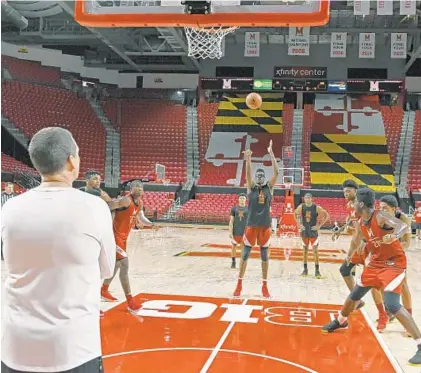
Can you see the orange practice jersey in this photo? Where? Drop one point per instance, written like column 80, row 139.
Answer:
column 417, row 217
column 125, row 220
column 382, row 255
column 351, row 212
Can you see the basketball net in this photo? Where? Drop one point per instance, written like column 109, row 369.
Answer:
column 207, row 42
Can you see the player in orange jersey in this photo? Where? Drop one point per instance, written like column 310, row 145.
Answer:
column 347, row 269
column 237, row 225
column 130, row 208
column 389, row 204
column 417, row 218
column 258, row 229
column 386, row 268
column 306, row 216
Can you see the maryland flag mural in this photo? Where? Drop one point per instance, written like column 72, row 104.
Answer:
column 348, row 142
column 238, row 128
column 234, row 115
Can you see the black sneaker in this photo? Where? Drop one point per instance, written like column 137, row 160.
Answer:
column 233, row 265
column 334, row 325
column 416, row 359
column 318, row 274
column 305, row 272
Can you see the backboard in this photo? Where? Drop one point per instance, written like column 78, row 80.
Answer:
column 196, row 13
column 290, row 177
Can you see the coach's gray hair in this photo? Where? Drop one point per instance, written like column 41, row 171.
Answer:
column 50, row 149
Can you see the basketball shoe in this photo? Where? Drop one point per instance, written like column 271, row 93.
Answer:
column 106, row 295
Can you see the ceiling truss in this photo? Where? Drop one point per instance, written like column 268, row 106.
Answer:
column 52, row 23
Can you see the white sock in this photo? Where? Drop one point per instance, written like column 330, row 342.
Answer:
column 342, row 319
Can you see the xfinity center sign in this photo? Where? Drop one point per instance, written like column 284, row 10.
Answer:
column 300, row 72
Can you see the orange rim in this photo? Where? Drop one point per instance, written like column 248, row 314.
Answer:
column 222, row 19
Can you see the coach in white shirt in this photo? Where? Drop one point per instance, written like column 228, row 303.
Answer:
column 58, row 245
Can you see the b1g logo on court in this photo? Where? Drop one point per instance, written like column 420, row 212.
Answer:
column 237, row 313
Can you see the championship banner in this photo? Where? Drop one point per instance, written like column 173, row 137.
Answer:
column 398, row 45
column 407, row 7
column 361, row 7
column 367, row 48
column 299, row 41
column 252, row 44
column 338, row 45
column 384, row 7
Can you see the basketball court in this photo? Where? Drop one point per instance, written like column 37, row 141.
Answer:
column 189, row 321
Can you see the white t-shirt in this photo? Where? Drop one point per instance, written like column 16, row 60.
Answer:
column 58, row 243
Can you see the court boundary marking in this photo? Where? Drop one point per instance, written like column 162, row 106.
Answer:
column 211, row 349
column 382, row 343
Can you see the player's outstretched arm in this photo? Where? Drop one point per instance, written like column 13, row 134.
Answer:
column 105, row 196
column 406, row 238
column 119, row 203
column 249, row 178
column 387, row 220
column 144, row 220
column 275, row 166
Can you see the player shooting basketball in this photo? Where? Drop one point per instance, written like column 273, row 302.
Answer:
column 130, row 208
column 258, row 227
column 237, row 226
column 386, row 269
column 306, row 216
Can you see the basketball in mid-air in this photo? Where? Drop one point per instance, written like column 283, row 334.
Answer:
column 254, row 101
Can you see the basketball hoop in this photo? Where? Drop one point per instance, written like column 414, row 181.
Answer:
column 206, row 42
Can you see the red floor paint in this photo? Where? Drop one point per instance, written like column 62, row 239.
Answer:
column 195, row 334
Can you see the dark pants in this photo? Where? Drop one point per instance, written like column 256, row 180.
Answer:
column 92, row 366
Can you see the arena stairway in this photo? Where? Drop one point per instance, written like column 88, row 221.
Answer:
column 192, row 144
column 112, row 147
column 18, row 135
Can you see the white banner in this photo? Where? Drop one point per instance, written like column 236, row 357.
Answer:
column 299, row 41
column 252, row 44
column 384, row 7
column 367, row 45
column 338, row 45
column 407, row 7
column 361, row 7
column 398, row 45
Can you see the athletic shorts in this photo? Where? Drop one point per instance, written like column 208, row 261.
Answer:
column 313, row 241
column 259, row 235
column 121, row 248
column 389, row 279
column 417, row 225
column 238, row 239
